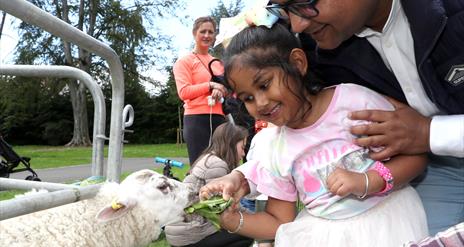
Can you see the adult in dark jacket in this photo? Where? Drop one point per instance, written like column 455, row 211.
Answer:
column 412, row 51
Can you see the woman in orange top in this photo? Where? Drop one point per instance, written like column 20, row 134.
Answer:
column 194, row 85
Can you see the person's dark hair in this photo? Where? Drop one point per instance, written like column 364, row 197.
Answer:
column 201, row 20
column 261, row 47
column 224, row 143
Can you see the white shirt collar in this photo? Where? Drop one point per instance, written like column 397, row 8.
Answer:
column 395, row 9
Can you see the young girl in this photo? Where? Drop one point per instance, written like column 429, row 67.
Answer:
column 348, row 198
column 220, row 158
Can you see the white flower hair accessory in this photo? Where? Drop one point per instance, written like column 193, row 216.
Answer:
column 257, row 15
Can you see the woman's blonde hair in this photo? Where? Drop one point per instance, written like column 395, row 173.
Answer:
column 201, row 20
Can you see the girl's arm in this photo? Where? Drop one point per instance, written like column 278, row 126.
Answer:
column 261, row 225
column 405, row 168
column 402, row 167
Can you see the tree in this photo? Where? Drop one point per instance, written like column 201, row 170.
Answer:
column 37, row 111
column 2, row 22
column 31, row 110
column 223, row 11
column 126, row 28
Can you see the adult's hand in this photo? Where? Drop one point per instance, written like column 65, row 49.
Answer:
column 217, row 94
column 232, row 185
column 218, row 86
column 402, row 131
column 218, row 91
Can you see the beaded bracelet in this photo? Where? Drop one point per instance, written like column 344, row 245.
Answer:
column 367, row 186
column 240, row 224
column 385, row 173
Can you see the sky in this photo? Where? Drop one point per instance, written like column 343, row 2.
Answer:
column 181, row 33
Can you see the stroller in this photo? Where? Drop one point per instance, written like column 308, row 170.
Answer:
column 9, row 160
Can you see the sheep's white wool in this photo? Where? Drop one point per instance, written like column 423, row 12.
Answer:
column 149, row 201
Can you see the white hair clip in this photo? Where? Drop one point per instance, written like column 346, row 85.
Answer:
column 258, row 15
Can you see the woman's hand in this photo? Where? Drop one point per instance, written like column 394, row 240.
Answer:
column 217, row 90
column 232, row 185
column 403, row 131
column 217, row 95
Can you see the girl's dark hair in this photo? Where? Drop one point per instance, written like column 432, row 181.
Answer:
column 224, row 143
column 201, row 20
column 261, row 47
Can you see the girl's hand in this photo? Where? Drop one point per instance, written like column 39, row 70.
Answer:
column 342, row 182
column 230, row 218
column 232, row 185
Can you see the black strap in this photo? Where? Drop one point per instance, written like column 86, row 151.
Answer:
column 204, row 65
column 215, row 78
column 210, row 63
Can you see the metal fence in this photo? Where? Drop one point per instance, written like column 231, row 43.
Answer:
column 63, row 194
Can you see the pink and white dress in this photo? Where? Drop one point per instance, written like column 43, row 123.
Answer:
column 293, row 164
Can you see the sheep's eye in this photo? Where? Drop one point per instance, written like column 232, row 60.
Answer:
column 164, row 187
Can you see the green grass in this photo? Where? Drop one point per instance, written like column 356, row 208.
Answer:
column 8, row 194
column 52, row 156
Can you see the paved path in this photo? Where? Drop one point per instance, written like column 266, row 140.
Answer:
column 79, row 172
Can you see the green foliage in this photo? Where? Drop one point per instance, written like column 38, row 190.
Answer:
column 33, row 112
column 210, row 209
column 223, row 11
column 39, row 111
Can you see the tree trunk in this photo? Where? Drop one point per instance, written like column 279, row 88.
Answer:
column 2, row 23
column 79, row 105
column 77, row 91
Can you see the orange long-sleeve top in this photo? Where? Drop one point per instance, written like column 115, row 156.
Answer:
column 192, row 81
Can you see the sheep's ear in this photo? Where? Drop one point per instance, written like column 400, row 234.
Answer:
column 112, row 212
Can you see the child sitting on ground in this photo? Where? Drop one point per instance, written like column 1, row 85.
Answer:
column 218, row 159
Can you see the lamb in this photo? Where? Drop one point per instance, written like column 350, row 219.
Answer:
column 129, row 214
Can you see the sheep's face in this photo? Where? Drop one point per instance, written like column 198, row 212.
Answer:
column 155, row 187
column 149, row 190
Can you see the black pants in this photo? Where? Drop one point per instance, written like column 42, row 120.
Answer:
column 223, row 239
column 197, row 131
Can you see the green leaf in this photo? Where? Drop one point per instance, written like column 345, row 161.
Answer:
column 210, row 209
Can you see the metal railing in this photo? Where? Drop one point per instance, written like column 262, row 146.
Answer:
column 61, row 194
column 35, row 16
column 65, row 194
column 99, row 119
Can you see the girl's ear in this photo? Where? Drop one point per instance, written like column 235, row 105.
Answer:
column 298, row 59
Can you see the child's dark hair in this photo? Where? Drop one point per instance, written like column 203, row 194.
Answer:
column 261, row 47
column 224, row 143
